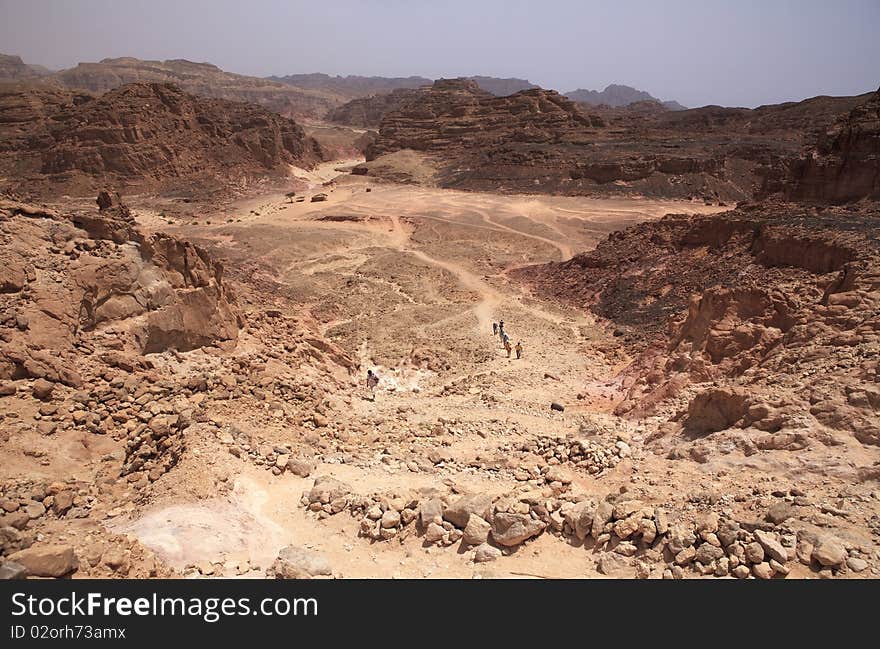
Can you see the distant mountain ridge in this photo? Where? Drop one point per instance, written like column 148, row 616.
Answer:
column 617, row 96
column 503, row 87
column 351, row 86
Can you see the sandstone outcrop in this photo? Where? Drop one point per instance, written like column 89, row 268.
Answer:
column 82, row 272
column 762, row 319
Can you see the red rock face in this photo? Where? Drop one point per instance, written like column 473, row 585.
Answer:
column 154, row 135
column 845, row 164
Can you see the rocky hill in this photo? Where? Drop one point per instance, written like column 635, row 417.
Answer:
column 64, row 274
column 617, row 96
column 150, row 135
column 756, row 326
column 368, row 112
column 539, row 141
column 456, row 115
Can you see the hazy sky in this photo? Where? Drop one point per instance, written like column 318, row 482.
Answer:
column 736, row 53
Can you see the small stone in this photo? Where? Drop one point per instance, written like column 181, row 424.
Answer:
column 12, row 570
column 829, row 551
column 43, row 389
column 685, row 556
column 476, row 532
column 390, row 519
column 47, row 560
column 610, row 563
column 778, row 568
column 512, row 529
column 434, row 533
column 780, row 512
column 300, row 467
column 430, row 511
column 299, row 563
column 603, row 514
column 485, row 552
column 772, row 547
column 762, row 570
column 460, row 511
column 741, row 571
column 754, row 552
column 707, row 553
column 374, row 513
column 856, row 564
column 804, row 552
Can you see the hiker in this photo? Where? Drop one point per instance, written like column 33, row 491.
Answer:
column 494, row 328
column 519, row 349
column 505, row 339
column 507, row 347
column 372, row 383
column 501, row 328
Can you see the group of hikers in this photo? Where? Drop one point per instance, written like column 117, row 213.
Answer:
column 498, row 330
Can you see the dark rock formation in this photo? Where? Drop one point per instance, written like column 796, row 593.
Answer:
column 845, row 163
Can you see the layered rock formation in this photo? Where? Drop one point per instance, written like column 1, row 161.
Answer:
column 368, row 112
column 146, row 134
column 202, row 79
column 762, row 322
column 539, row 141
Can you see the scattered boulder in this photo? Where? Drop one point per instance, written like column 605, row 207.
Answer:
column 299, row 563
column 486, row 552
column 829, row 551
column 12, row 570
column 43, row 389
column 476, row 531
column 300, row 467
column 460, row 511
column 47, row 560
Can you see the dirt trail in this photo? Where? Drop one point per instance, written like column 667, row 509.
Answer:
column 385, row 272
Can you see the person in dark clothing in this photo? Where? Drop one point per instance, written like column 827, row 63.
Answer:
column 372, row 383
